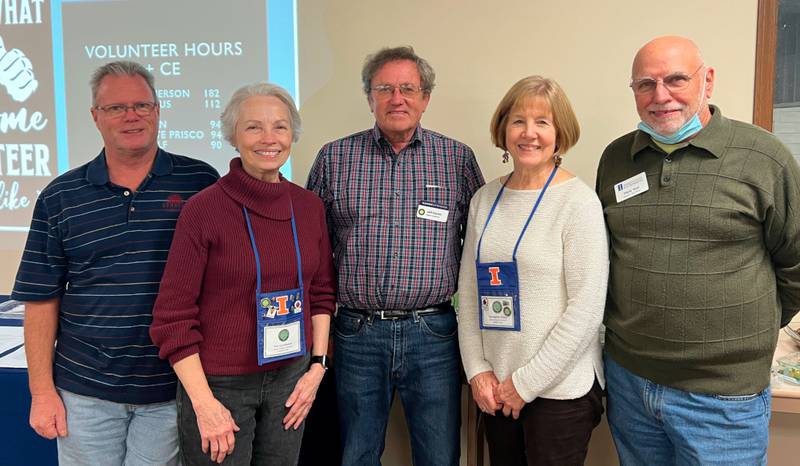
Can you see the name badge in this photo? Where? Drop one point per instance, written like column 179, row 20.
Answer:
column 633, row 186
column 497, row 312
column 498, row 295
column 431, row 212
column 280, row 327
column 282, row 340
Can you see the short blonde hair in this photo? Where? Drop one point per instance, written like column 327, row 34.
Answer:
column 568, row 131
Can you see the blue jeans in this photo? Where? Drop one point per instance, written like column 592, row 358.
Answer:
column 417, row 357
column 109, row 433
column 656, row 425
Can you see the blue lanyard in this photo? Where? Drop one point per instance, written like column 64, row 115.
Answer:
column 527, row 222
column 255, row 249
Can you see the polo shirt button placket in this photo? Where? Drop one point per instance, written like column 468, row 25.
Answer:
column 129, row 197
column 666, row 171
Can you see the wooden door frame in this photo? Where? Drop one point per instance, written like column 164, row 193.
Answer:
column 766, row 43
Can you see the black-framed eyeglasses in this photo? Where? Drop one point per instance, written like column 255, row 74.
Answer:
column 406, row 90
column 142, row 109
column 675, row 82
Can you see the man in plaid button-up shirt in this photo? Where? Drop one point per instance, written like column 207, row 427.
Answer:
column 397, row 198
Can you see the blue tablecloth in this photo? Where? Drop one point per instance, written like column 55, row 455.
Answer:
column 21, row 445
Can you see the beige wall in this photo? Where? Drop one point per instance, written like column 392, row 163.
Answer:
column 479, row 48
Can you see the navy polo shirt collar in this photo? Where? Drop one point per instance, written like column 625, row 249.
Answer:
column 97, row 170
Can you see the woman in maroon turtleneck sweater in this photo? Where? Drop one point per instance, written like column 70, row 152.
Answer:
column 205, row 317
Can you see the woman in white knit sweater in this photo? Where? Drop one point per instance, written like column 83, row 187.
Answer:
column 532, row 288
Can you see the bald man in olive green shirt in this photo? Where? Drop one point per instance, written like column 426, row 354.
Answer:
column 703, row 214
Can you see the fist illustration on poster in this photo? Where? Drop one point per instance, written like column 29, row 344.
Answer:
column 16, row 73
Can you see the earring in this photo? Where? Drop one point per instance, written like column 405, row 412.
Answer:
column 558, row 159
column 505, row 157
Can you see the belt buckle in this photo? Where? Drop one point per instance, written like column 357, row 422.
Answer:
column 389, row 314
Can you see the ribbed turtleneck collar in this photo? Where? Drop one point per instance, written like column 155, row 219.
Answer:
column 270, row 200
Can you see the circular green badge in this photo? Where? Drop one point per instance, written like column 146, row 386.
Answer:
column 507, row 311
column 497, row 307
column 283, row 335
column 265, row 302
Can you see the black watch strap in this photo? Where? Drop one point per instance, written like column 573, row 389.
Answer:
column 322, row 360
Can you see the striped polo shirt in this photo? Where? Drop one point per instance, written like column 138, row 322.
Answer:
column 101, row 249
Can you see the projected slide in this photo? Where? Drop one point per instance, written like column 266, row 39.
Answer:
column 199, row 51
column 28, row 128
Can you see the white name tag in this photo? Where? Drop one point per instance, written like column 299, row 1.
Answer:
column 498, row 311
column 633, row 186
column 281, row 339
column 431, row 212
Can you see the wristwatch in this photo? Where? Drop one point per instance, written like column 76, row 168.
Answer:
column 321, row 360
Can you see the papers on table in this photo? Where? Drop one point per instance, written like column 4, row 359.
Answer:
column 12, row 349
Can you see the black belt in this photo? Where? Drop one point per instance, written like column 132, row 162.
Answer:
column 394, row 314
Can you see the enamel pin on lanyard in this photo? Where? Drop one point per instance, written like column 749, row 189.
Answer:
column 498, row 282
column 279, row 314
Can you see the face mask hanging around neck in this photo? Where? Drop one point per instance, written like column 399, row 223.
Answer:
column 687, row 130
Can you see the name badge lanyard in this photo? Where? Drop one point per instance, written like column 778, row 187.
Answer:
column 279, row 314
column 498, row 282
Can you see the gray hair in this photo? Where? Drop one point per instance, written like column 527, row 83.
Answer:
column 230, row 115
column 374, row 62
column 121, row 68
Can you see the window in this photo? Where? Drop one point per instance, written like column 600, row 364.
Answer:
column 777, row 92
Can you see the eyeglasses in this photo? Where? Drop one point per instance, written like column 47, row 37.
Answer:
column 387, row 90
column 675, row 82
column 142, row 109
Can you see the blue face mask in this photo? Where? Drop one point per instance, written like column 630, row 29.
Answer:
column 687, row 130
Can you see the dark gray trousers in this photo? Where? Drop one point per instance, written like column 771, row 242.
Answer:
column 256, row 402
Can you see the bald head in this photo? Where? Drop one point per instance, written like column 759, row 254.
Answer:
column 667, row 49
column 663, row 59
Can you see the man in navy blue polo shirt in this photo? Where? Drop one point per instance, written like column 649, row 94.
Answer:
column 89, row 277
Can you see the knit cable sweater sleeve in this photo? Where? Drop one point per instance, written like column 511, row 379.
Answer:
column 585, row 258
column 469, row 332
column 176, row 325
